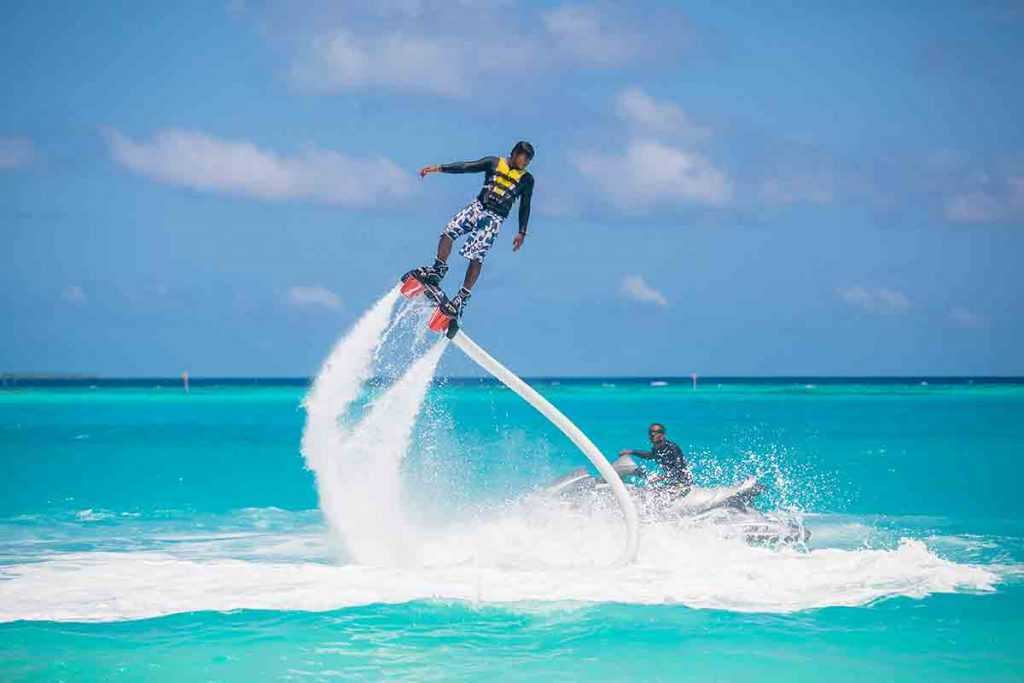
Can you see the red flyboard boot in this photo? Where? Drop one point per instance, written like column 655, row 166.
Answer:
column 439, row 322
column 411, row 287
column 424, row 280
column 448, row 313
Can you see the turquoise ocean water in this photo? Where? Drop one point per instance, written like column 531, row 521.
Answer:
column 150, row 534
column 208, row 493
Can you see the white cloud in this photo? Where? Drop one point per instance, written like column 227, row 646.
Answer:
column 1003, row 199
column 877, row 300
column 649, row 173
column 652, row 116
column 345, row 61
column 973, row 207
column 656, row 164
column 16, row 153
column 963, row 317
column 636, row 288
column 74, row 294
column 585, row 35
column 313, row 296
column 466, row 48
column 208, row 164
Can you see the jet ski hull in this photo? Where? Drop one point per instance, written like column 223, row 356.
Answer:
column 727, row 507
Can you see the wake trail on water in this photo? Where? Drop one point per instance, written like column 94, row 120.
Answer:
column 511, row 558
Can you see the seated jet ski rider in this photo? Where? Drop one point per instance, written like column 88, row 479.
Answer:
column 675, row 472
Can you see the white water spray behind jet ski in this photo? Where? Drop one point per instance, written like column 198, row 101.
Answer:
column 728, row 508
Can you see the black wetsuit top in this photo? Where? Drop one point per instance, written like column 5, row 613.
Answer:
column 672, row 461
column 500, row 190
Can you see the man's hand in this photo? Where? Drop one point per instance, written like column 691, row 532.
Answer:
column 625, row 452
column 427, row 170
column 517, row 243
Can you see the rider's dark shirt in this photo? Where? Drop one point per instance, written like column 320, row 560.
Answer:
column 672, row 461
column 500, row 191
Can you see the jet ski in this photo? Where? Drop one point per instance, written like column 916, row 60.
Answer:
column 727, row 507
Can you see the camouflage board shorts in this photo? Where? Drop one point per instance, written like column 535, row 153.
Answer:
column 481, row 225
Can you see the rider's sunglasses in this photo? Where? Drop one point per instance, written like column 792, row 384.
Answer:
column 655, row 431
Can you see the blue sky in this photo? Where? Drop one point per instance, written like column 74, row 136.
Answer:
column 723, row 188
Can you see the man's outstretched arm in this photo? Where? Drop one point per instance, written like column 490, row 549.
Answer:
column 640, row 454
column 478, row 166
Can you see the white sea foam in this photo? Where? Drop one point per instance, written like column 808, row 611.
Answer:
column 514, row 556
column 90, row 515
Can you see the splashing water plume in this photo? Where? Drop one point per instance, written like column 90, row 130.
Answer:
column 358, row 465
column 370, row 515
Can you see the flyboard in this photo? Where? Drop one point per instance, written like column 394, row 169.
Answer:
column 452, row 330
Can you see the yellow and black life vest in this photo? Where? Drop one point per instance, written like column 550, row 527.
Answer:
column 501, row 188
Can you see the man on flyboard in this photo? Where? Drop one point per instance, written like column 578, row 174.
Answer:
column 505, row 181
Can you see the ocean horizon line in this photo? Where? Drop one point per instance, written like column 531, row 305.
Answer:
column 72, row 380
